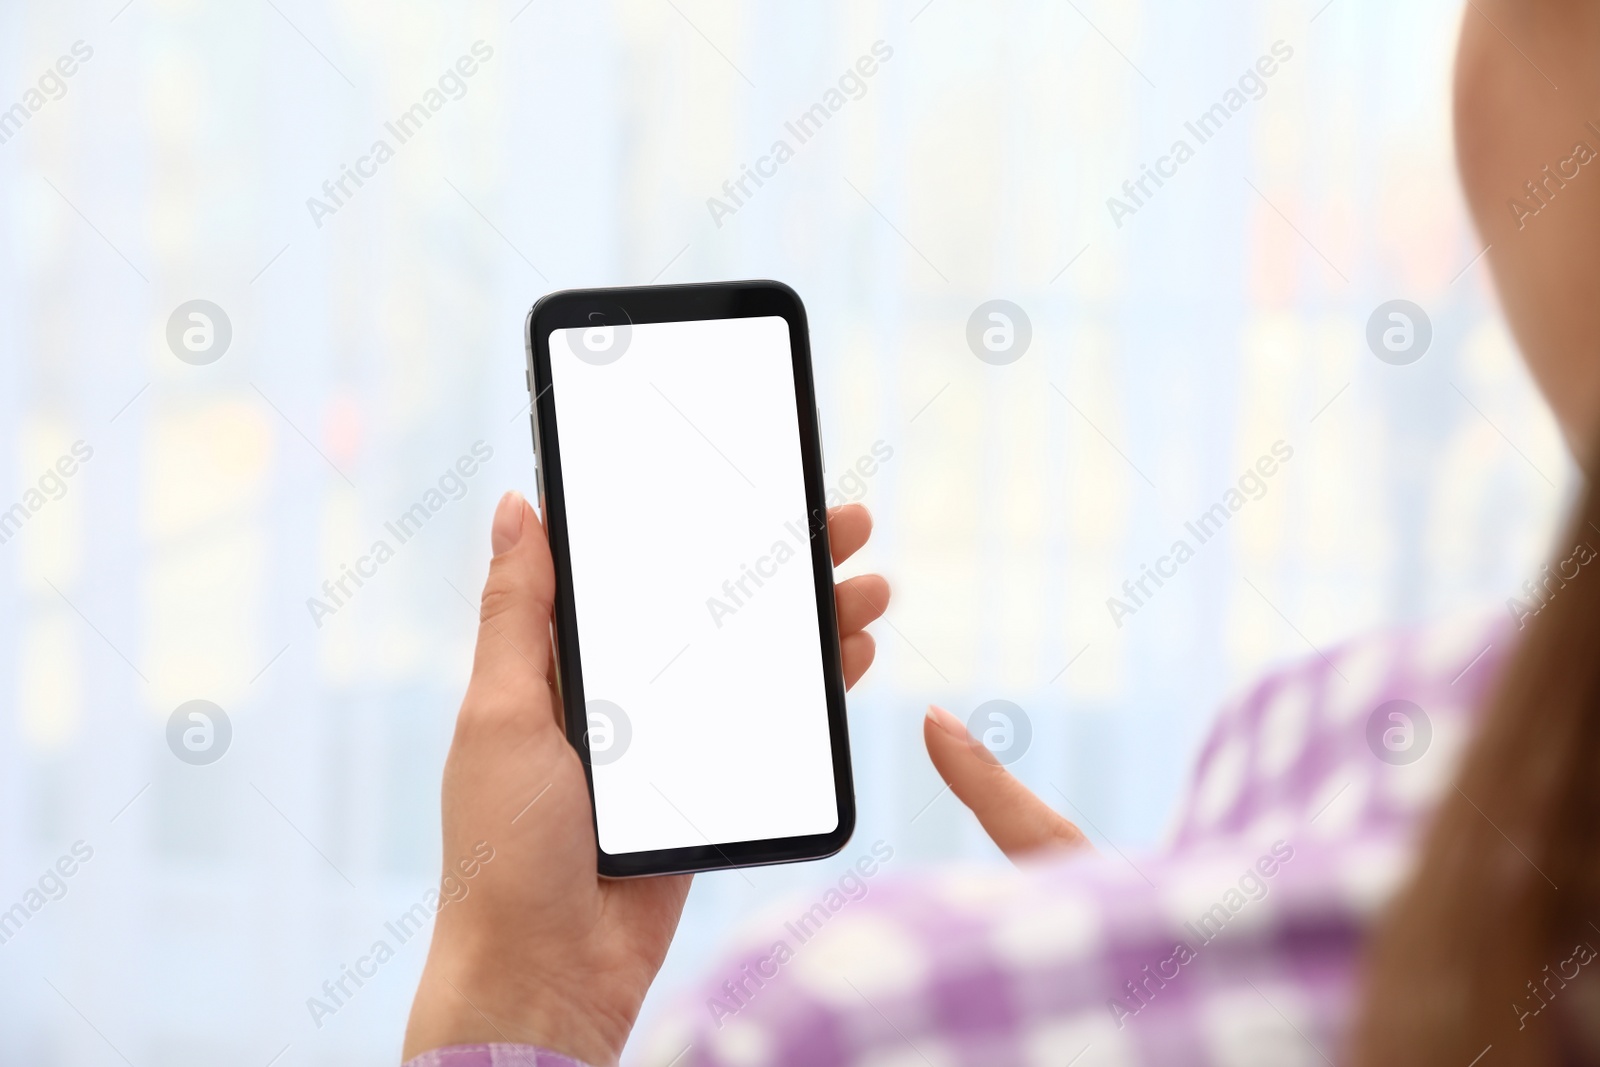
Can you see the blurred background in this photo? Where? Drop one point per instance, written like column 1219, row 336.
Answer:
column 374, row 337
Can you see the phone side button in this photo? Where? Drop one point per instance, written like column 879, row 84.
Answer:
column 538, row 468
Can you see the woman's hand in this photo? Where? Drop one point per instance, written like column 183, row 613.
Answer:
column 1016, row 820
column 531, row 946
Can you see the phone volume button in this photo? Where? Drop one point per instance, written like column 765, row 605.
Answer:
column 538, row 469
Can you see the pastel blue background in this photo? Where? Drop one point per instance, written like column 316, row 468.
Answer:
column 370, row 352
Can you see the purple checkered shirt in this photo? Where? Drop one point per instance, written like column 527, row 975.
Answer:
column 1236, row 944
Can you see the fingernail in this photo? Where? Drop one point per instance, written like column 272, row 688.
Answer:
column 507, row 528
column 946, row 722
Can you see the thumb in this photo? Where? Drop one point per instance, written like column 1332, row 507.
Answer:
column 1016, row 820
column 513, row 651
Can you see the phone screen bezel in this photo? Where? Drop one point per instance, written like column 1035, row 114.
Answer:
column 687, row 303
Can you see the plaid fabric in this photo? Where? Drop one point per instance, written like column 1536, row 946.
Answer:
column 496, row 1055
column 1236, row 945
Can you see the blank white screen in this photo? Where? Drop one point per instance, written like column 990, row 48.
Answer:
column 682, row 478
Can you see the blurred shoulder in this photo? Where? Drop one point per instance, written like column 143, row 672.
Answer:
column 1357, row 736
column 1118, row 958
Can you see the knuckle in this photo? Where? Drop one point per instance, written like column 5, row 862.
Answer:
column 499, row 595
column 509, row 588
column 491, row 716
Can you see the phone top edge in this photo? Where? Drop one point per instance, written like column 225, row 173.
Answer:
column 733, row 283
column 556, row 298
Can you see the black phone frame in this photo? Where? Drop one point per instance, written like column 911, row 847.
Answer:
column 685, row 303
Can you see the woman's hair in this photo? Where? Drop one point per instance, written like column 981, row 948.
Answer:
column 1493, row 941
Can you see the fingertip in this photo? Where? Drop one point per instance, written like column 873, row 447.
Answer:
column 849, row 527
column 517, row 602
column 510, row 519
column 949, row 745
column 856, row 653
column 945, row 722
column 853, row 506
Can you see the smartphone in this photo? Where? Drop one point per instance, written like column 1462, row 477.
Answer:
column 680, row 477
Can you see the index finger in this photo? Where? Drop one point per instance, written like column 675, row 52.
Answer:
column 1017, row 821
